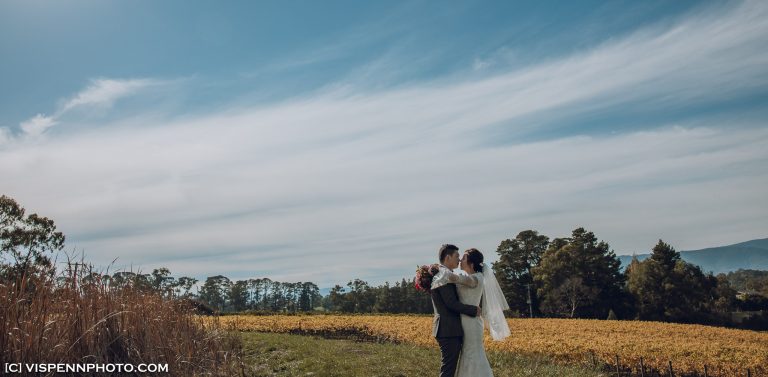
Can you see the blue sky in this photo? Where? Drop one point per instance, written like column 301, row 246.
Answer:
column 328, row 141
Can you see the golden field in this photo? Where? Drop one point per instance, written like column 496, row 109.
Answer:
column 726, row 352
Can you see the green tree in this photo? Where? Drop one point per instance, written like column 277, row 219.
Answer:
column 646, row 283
column 238, row 295
column 277, row 296
column 666, row 288
column 405, row 291
column 517, row 258
column 383, row 299
column 309, row 296
column 215, row 291
column 263, row 285
column 572, row 294
column 337, row 299
column 183, row 285
column 360, row 296
column 397, row 297
column 665, row 255
column 725, row 300
column 749, row 281
column 25, row 241
column 582, row 274
column 692, row 297
column 162, row 281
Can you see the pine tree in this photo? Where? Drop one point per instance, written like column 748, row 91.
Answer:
column 665, row 255
column 667, row 288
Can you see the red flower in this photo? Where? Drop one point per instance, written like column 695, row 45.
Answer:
column 424, row 275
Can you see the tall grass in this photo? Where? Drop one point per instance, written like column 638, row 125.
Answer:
column 75, row 317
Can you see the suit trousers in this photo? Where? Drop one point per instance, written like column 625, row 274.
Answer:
column 450, row 348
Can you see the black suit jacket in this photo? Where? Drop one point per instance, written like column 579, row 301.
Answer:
column 447, row 321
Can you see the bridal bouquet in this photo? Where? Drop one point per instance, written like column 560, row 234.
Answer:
column 424, row 275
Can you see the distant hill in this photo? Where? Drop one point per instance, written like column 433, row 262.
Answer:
column 747, row 255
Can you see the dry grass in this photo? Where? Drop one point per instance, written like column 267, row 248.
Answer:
column 74, row 320
column 726, row 352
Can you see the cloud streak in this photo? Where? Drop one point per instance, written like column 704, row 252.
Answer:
column 104, row 92
column 37, row 125
column 100, row 93
column 352, row 183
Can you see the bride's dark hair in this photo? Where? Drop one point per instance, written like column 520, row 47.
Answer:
column 475, row 257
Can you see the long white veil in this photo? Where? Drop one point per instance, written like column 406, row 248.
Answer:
column 494, row 305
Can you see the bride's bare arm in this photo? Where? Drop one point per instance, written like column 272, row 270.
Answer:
column 469, row 281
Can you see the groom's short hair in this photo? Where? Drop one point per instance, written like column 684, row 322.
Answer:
column 446, row 250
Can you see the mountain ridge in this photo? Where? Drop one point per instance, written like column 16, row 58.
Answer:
column 752, row 254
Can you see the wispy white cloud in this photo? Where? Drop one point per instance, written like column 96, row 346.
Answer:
column 479, row 64
column 708, row 57
column 503, row 56
column 37, row 125
column 104, row 92
column 101, row 93
column 349, row 183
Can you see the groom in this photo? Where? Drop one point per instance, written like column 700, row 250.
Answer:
column 446, row 326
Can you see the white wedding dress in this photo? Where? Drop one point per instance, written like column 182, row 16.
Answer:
column 472, row 362
column 478, row 289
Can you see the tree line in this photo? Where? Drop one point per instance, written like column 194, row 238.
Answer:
column 218, row 292
column 581, row 277
column 568, row 277
column 259, row 294
column 749, row 281
column 359, row 297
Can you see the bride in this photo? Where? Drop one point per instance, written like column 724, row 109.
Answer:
column 478, row 288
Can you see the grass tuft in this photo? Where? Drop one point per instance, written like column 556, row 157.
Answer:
column 77, row 318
